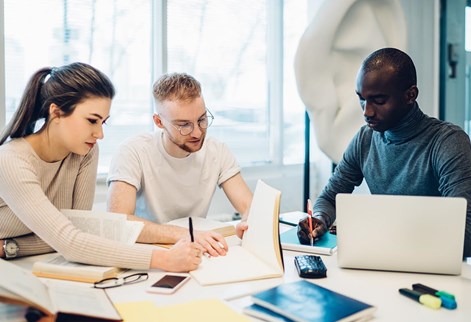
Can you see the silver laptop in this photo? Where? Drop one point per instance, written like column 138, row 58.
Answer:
column 401, row 233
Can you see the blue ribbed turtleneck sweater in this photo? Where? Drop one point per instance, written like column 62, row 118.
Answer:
column 421, row 156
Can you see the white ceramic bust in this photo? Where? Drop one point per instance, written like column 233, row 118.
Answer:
column 342, row 33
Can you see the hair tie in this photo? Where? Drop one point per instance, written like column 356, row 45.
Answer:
column 53, row 71
column 51, row 74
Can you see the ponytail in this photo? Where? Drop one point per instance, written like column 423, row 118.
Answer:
column 30, row 109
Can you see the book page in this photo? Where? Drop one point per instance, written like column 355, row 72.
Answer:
column 24, row 284
column 132, row 230
column 82, row 300
column 262, row 237
column 105, row 224
column 12, row 298
column 238, row 265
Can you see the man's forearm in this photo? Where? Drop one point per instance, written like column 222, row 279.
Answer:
column 153, row 233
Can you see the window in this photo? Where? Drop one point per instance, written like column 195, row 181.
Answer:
column 114, row 36
column 241, row 51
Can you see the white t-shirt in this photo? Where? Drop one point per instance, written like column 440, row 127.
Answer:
column 169, row 188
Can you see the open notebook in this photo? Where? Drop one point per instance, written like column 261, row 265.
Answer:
column 259, row 256
column 401, row 233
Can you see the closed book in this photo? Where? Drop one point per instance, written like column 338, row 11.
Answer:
column 59, row 268
column 303, row 301
column 325, row 245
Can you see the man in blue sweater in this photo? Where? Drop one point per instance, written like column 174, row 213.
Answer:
column 400, row 150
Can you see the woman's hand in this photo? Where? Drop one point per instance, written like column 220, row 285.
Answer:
column 184, row 256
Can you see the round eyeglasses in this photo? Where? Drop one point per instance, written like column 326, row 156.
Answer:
column 119, row 281
column 185, row 129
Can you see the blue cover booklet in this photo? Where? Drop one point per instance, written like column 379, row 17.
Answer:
column 326, row 245
column 304, row 301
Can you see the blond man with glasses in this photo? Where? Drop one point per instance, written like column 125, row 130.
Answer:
column 173, row 172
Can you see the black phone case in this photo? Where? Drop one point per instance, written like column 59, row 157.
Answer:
column 310, row 266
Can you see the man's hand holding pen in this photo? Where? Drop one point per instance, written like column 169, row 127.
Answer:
column 319, row 227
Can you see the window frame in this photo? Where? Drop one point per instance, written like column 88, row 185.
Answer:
column 274, row 70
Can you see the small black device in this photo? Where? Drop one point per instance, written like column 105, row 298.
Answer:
column 310, row 266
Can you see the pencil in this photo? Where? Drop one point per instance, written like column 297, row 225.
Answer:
column 309, row 212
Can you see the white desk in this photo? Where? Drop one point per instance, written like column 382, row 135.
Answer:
column 374, row 287
column 381, row 290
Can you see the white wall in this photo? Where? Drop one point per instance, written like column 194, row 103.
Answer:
column 423, row 27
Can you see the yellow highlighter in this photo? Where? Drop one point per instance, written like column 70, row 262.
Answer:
column 426, row 299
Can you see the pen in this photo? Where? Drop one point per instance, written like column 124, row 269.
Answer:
column 190, row 226
column 309, row 212
column 426, row 299
column 448, row 300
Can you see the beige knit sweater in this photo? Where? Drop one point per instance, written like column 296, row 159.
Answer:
column 32, row 191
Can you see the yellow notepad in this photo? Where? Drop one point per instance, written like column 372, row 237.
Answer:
column 208, row 310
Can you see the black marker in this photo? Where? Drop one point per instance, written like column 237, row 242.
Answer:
column 426, row 299
column 190, row 224
column 448, row 300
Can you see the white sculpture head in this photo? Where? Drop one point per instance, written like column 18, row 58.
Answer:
column 330, row 52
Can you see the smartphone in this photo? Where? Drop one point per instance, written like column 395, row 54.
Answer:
column 168, row 284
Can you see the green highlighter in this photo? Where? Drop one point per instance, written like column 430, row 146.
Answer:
column 448, row 300
column 426, row 299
